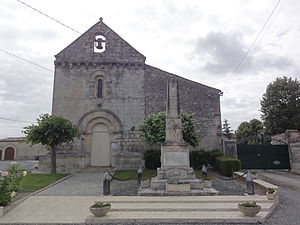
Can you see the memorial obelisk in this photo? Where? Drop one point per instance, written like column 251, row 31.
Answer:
column 175, row 176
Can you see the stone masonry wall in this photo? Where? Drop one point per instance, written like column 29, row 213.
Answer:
column 195, row 98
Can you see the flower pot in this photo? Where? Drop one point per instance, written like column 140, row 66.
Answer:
column 207, row 183
column 98, row 212
column 249, row 211
column 271, row 196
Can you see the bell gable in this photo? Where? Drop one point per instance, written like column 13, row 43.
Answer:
column 100, row 44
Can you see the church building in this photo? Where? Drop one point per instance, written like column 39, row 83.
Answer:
column 104, row 87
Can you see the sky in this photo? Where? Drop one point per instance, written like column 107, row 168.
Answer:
column 204, row 41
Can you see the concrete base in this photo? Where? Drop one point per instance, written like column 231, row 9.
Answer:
column 192, row 192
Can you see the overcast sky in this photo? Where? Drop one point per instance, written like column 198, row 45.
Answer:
column 198, row 39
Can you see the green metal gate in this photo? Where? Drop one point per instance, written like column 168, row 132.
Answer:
column 263, row 156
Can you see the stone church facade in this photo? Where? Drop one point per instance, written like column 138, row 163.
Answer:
column 103, row 86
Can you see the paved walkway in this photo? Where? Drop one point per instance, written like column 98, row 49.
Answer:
column 281, row 178
column 79, row 184
column 135, row 210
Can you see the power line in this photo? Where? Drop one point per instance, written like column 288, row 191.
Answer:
column 14, row 120
column 44, row 14
column 242, row 63
column 26, row 60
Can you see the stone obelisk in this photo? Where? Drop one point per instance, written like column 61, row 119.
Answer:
column 175, row 176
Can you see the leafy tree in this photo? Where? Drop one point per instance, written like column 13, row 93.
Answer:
column 154, row 126
column 280, row 105
column 226, row 129
column 51, row 131
column 250, row 132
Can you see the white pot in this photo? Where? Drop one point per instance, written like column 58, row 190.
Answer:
column 98, row 212
column 249, row 211
column 271, row 196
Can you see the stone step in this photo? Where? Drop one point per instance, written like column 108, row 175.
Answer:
column 190, row 210
column 182, row 207
column 183, row 199
column 193, row 218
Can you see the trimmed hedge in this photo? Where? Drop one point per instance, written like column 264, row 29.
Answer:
column 152, row 159
column 226, row 165
column 198, row 158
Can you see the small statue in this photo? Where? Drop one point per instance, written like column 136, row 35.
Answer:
column 204, row 171
column 139, row 176
column 106, row 183
column 249, row 184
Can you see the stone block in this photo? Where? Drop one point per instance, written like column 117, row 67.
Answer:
column 178, row 187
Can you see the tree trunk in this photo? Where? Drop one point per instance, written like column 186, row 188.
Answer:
column 53, row 159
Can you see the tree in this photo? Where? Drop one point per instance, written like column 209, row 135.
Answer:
column 250, row 132
column 280, row 105
column 51, row 131
column 226, row 129
column 154, row 128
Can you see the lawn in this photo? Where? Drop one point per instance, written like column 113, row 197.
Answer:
column 33, row 182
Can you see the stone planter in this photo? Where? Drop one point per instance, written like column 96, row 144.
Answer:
column 98, row 212
column 178, row 187
column 249, row 211
column 271, row 196
column 207, row 183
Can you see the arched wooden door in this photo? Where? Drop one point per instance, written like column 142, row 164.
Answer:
column 9, row 153
column 100, row 146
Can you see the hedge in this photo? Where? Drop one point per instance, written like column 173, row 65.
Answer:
column 152, row 159
column 198, row 158
column 226, row 165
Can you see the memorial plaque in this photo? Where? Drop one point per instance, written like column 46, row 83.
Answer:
column 176, row 159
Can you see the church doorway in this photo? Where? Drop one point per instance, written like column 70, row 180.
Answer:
column 100, row 155
column 9, row 153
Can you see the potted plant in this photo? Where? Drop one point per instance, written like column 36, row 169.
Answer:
column 100, row 208
column 249, row 208
column 271, row 193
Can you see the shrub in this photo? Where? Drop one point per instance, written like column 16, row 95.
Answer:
column 152, row 159
column 198, row 158
column 226, row 165
column 9, row 184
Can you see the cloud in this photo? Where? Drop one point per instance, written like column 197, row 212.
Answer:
column 221, row 53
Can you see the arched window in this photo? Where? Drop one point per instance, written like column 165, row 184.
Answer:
column 100, row 88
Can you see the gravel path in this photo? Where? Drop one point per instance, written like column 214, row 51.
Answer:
column 79, row 184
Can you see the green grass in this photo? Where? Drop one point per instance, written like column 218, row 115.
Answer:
column 132, row 174
column 33, row 182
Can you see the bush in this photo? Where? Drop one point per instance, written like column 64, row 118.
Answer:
column 226, row 165
column 9, row 183
column 198, row 158
column 152, row 159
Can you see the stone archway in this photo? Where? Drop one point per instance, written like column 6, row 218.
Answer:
column 9, row 153
column 1, row 154
column 101, row 132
